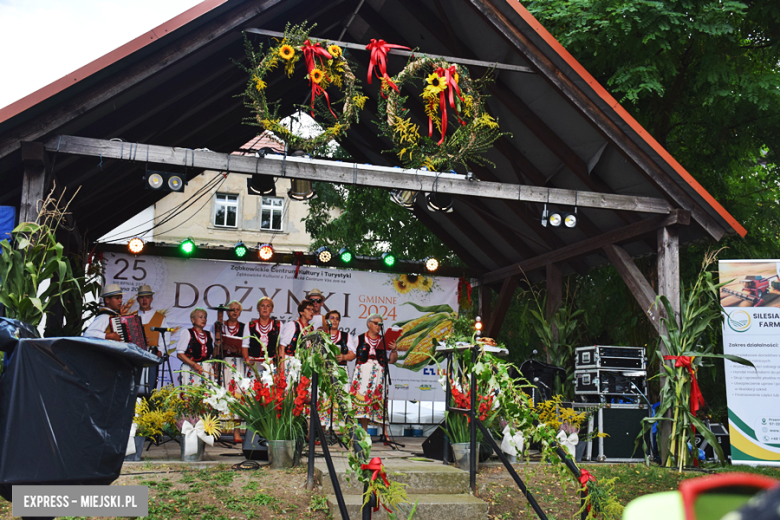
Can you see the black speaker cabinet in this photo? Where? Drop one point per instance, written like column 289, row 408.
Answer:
column 622, row 423
column 254, row 447
column 433, row 446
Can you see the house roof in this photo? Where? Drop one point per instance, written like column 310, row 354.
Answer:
column 178, row 86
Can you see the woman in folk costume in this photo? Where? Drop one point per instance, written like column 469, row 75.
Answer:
column 293, row 331
column 347, row 345
column 235, row 339
column 264, row 334
column 367, row 382
column 195, row 346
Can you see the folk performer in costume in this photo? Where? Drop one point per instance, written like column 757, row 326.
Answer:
column 347, row 345
column 100, row 327
column 264, row 334
column 232, row 350
column 367, row 382
column 195, row 346
column 294, row 330
column 152, row 318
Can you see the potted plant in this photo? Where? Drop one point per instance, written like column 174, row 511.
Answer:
column 150, row 421
column 568, row 423
column 272, row 405
column 195, row 435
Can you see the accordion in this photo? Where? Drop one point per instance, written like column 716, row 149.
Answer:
column 131, row 329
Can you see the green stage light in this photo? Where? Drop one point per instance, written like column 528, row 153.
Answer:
column 187, row 246
column 345, row 255
column 240, row 250
column 388, row 259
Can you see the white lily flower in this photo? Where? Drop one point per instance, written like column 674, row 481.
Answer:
column 266, row 378
column 244, row 383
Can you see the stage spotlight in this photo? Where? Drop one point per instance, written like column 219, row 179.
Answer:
column 324, row 255
column 439, row 202
column 187, row 247
column 404, row 198
column 136, row 245
column 266, row 252
column 261, row 185
column 570, row 220
column 555, row 219
column 300, row 190
column 345, row 255
column 159, row 180
column 240, row 250
column 478, row 325
column 431, row 264
column 388, row 259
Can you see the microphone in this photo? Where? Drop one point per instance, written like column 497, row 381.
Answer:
column 330, row 325
column 161, row 329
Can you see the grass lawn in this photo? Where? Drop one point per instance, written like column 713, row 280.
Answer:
column 224, row 494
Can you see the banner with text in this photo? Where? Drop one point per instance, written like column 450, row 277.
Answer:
column 751, row 329
column 425, row 303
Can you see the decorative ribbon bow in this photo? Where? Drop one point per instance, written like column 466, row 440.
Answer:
column 586, row 477
column 452, row 85
column 375, row 465
column 191, row 435
column 697, row 399
column 464, row 284
column 310, row 51
column 130, row 450
column 569, row 441
column 379, row 50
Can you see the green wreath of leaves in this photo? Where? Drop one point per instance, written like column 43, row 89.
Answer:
column 464, row 145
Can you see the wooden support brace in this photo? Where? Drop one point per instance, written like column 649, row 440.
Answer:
column 554, row 295
column 485, row 301
column 636, row 282
column 33, row 182
column 502, row 305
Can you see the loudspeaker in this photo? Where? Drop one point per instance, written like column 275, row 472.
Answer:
column 623, row 426
column 254, row 447
column 433, row 446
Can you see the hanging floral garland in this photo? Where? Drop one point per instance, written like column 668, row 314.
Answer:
column 449, row 93
column 326, row 66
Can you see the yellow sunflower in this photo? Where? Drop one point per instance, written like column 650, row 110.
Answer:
column 334, row 51
column 412, row 280
column 287, row 52
column 425, row 284
column 436, row 85
column 401, row 285
column 316, row 75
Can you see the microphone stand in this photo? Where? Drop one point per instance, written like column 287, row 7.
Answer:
column 166, row 359
column 384, row 437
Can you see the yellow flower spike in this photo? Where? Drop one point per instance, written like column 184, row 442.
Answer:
column 260, row 84
column 316, row 75
column 334, row 50
column 360, row 101
column 287, row 52
column 211, row 425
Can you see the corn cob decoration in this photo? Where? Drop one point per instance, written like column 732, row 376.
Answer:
column 420, row 335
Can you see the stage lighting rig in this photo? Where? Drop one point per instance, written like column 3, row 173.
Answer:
column 324, row 255
column 388, row 259
column 187, row 247
column 240, row 250
column 431, row 264
column 345, row 255
column 159, row 180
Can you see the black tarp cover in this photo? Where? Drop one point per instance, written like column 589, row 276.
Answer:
column 66, row 406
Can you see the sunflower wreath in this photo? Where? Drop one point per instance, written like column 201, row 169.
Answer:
column 325, row 66
column 448, row 89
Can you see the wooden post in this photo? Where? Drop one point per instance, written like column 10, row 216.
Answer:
column 485, row 303
column 33, row 182
column 554, row 296
column 502, row 305
column 669, row 269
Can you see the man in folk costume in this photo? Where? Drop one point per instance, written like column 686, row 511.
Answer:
column 195, row 346
column 152, row 318
column 100, row 327
column 235, row 339
column 294, row 330
column 367, row 381
column 264, row 334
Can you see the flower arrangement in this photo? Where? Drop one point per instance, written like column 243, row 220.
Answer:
column 151, row 421
column 326, row 67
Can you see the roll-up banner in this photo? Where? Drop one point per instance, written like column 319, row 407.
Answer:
column 751, row 329
column 419, row 304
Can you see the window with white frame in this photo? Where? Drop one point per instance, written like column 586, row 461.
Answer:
column 226, row 210
column 271, row 210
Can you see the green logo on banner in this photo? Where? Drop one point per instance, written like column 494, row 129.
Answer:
column 739, row 321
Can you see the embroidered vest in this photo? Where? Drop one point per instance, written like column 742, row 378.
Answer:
column 290, row 349
column 342, row 344
column 195, row 350
column 364, row 352
column 255, row 347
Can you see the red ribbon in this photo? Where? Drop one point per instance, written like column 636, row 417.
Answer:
column 461, row 284
column 586, row 477
column 298, row 260
column 375, row 465
column 309, row 53
column 379, row 50
column 452, row 86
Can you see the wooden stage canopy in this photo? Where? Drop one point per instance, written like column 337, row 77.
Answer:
column 174, row 94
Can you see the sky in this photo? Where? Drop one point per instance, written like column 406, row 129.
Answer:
column 43, row 40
